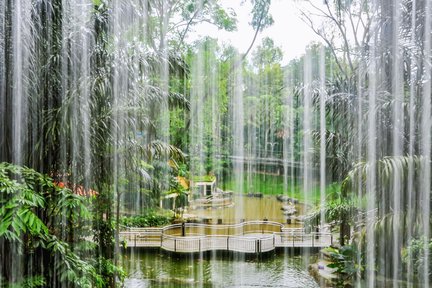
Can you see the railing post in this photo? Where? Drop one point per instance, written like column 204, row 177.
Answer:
column 313, row 241
column 175, row 245
column 199, row 245
column 227, row 243
column 135, row 240
column 292, row 234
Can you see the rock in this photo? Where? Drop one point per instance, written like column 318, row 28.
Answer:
column 282, row 198
column 256, row 195
column 287, row 207
column 285, row 198
column 289, row 212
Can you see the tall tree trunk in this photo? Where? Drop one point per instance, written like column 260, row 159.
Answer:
column 344, row 233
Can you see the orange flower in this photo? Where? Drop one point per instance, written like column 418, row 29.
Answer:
column 59, row 184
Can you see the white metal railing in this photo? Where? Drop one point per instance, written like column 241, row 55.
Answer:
column 141, row 239
column 248, row 227
column 300, row 229
column 301, row 239
column 267, row 243
column 246, row 237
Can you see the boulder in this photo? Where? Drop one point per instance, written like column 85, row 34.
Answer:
column 285, row 198
column 289, row 212
column 282, row 198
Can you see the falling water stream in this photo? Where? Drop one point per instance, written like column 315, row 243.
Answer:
column 103, row 95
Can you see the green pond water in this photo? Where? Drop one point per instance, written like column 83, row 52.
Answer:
column 252, row 208
column 150, row 268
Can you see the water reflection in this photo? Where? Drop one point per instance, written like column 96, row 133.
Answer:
column 154, row 269
column 267, row 207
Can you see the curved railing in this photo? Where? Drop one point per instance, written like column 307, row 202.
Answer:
column 191, row 244
column 142, row 237
column 246, row 237
column 301, row 239
column 198, row 229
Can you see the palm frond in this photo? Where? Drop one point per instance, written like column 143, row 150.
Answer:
column 160, row 150
column 387, row 166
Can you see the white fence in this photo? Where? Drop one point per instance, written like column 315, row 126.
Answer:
column 247, row 237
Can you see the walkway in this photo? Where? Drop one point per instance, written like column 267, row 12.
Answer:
column 246, row 237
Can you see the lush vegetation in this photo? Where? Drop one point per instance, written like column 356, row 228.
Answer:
column 31, row 228
column 203, row 178
column 416, row 250
column 348, row 264
column 115, row 102
column 150, row 219
column 274, row 185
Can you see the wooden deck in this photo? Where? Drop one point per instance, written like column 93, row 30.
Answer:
column 247, row 237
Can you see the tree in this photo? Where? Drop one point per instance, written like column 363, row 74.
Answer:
column 261, row 19
column 267, row 54
column 349, row 21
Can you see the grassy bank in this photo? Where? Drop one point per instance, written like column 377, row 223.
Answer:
column 274, row 185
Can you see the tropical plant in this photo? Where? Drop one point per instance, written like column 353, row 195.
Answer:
column 341, row 210
column 347, row 262
column 415, row 252
column 37, row 218
column 150, row 219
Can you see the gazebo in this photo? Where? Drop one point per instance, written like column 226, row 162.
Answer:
column 203, row 186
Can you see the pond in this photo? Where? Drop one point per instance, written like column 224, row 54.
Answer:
column 249, row 208
column 150, row 268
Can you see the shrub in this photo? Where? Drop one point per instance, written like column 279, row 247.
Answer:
column 346, row 262
column 151, row 219
column 416, row 252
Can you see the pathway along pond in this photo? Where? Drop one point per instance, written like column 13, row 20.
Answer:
column 150, row 268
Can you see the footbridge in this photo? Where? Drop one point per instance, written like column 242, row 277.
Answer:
column 247, row 237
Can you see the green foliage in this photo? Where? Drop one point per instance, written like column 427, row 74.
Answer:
column 260, row 17
column 274, row 185
column 23, row 191
column 415, row 253
column 336, row 210
column 224, row 19
column 267, row 53
column 29, row 282
column 388, row 166
column 150, row 219
column 204, row 178
column 347, row 262
column 106, row 267
column 25, row 195
column 209, row 11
